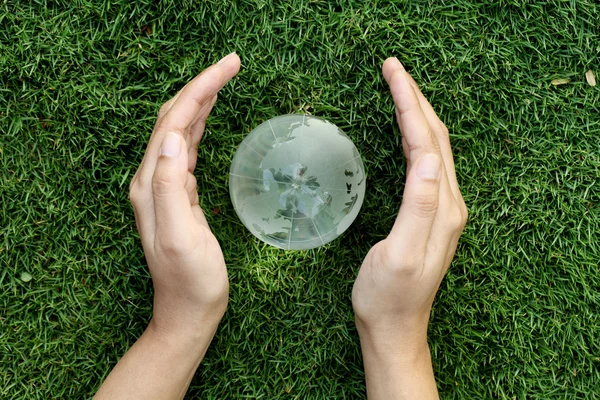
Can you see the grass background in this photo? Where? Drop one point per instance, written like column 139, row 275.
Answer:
column 518, row 315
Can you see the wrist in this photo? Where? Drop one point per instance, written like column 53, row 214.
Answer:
column 401, row 338
column 398, row 370
column 182, row 344
column 193, row 332
column 397, row 360
column 175, row 315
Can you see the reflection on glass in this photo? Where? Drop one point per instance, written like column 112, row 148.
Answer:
column 297, row 182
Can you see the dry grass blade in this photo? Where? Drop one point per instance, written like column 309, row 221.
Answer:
column 590, row 78
column 560, row 81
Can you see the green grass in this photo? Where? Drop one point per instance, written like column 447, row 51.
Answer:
column 517, row 317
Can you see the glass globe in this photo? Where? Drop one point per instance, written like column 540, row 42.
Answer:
column 297, row 182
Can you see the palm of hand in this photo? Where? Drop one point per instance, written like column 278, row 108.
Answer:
column 389, row 290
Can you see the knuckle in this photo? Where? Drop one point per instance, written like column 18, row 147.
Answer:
column 133, row 199
column 399, row 263
column 414, row 146
column 132, row 181
column 192, row 182
column 164, row 108
column 404, row 265
column 161, row 184
column 443, row 130
column 464, row 212
column 455, row 219
column 170, row 124
column 194, row 198
column 192, row 189
column 429, row 141
column 435, row 144
column 172, row 246
column 406, row 268
column 134, row 192
column 425, row 205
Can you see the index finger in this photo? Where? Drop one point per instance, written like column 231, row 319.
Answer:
column 197, row 95
column 442, row 135
column 413, row 124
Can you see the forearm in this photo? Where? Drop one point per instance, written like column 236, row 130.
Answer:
column 398, row 367
column 157, row 366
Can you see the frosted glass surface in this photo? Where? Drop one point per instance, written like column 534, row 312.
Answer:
column 297, row 182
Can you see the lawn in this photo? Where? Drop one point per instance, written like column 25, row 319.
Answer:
column 518, row 315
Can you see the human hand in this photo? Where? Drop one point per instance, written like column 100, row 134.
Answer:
column 398, row 280
column 185, row 260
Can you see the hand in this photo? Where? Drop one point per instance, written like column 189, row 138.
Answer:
column 185, row 260
column 398, row 280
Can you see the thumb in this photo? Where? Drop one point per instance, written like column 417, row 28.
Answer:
column 171, row 202
column 420, row 202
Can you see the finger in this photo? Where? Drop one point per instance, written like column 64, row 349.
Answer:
column 164, row 109
column 442, row 136
column 173, row 212
column 143, row 209
column 191, row 187
column 420, row 203
column 196, row 133
column 192, row 158
column 405, row 148
column 167, row 106
column 197, row 127
column 196, row 95
column 200, row 91
column 412, row 121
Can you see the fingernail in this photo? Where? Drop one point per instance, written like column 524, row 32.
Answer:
column 397, row 63
column 170, row 146
column 429, row 167
column 227, row 57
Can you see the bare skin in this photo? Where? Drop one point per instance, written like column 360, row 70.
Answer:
column 398, row 280
column 185, row 260
column 395, row 288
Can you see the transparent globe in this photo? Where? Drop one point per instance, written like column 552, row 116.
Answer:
column 297, row 182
